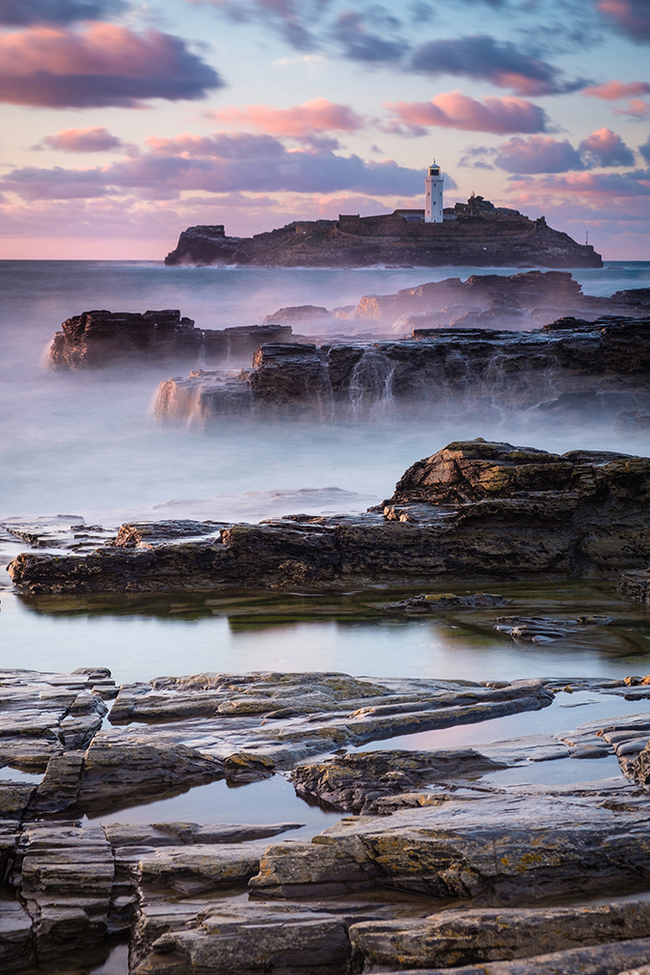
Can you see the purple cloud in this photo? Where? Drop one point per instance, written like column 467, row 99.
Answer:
column 645, row 151
column 632, row 17
column 500, row 63
column 605, row 148
column 103, row 65
column 18, row 13
column 218, row 164
column 538, row 154
column 543, row 154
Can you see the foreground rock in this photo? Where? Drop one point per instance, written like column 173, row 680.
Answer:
column 455, row 830
column 570, row 365
column 481, row 235
column 472, row 510
column 100, row 338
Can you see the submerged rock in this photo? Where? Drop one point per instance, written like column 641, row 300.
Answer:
column 481, row 510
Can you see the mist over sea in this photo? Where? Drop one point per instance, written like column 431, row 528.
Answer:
column 87, row 444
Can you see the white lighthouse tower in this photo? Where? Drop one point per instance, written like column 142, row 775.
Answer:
column 433, row 195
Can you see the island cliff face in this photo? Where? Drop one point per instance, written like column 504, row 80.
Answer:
column 483, row 236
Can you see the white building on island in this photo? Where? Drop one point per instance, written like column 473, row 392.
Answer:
column 433, row 194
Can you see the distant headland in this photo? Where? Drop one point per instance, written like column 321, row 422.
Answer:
column 475, row 233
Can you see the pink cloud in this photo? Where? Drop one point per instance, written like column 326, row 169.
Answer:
column 636, row 108
column 95, row 139
column 632, row 17
column 605, row 148
column 613, row 91
column 298, row 122
column 104, row 64
column 454, row 110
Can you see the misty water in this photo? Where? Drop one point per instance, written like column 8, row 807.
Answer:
column 87, row 445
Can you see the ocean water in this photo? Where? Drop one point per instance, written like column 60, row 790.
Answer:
column 86, row 446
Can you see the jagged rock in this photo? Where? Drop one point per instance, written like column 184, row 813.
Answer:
column 205, row 244
column 47, row 714
column 495, row 511
column 495, row 238
column 635, row 585
column 570, row 364
column 298, row 313
column 65, row 874
column 99, row 338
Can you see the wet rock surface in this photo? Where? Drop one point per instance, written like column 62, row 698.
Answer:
column 573, row 365
column 99, row 338
column 439, row 830
column 472, row 510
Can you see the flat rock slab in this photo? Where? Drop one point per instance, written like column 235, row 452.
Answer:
column 47, row 714
column 492, row 848
column 454, row 938
column 624, row 958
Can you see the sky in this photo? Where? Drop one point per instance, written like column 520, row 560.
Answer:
column 125, row 122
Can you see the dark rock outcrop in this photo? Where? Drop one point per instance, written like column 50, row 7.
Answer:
column 483, row 238
column 205, row 244
column 481, row 510
column 99, row 338
column 569, row 365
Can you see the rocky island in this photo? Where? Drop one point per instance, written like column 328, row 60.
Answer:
column 476, row 233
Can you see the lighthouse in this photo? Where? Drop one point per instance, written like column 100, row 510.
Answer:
column 433, row 195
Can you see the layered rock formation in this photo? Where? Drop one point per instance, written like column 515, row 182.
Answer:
column 99, row 338
column 453, row 869
column 485, row 237
column 472, row 510
column 570, row 364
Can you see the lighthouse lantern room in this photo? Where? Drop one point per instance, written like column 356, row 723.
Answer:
column 433, row 195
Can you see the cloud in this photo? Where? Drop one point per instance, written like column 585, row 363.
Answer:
column 102, row 65
column 613, row 91
column 606, row 148
column 632, row 17
column 645, row 151
column 636, row 108
column 223, row 163
column 291, row 18
column 539, row 154
column 95, row 139
column 500, row 63
column 457, row 111
column 360, row 44
column 601, row 186
column 17, row 13
column 543, row 154
column 302, row 122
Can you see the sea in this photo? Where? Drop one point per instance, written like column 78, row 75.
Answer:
column 87, row 447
